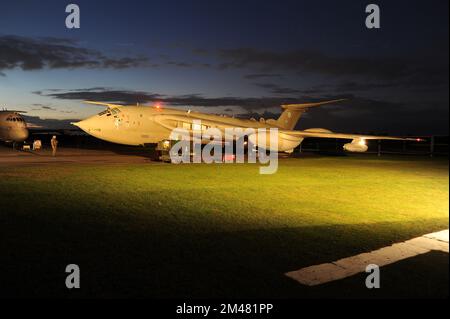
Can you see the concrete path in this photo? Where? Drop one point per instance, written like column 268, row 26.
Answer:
column 346, row 267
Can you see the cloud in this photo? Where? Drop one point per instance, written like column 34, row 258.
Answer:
column 357, row 114
column 40, row 107
column 124, row 63
column 36, row 121
column 342, row 87
column 418, row 71
column 366, row 115
column 200, row 51
column 309, row 61
column 276, row 89
column 55, row 40
column 180, row 64
column 261, row 75
column 244, row 102
column 53, row 53
column 102, row 95
column 48, row 108
column 188, row 64
column 363, row 86
column 353, row 87
column 133, row 97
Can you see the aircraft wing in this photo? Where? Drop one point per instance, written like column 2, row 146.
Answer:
column 329, row 134
column 13, row 111
column 108, row 105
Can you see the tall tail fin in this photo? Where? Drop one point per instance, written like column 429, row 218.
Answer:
column 292, row 112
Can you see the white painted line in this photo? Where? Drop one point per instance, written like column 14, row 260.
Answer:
column 440, row 235
column 428, row 243
column 346, row 267
column 315, row 275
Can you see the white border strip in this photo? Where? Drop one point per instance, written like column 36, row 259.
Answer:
column 346, row 267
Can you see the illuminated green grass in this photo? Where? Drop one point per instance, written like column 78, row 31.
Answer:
column 210, row 230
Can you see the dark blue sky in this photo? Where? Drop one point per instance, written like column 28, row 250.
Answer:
column 232, row 56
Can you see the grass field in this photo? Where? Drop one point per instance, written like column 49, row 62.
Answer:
column 163, row 230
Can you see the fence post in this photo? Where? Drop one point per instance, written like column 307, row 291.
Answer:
column 432, row 146
column 379, row 148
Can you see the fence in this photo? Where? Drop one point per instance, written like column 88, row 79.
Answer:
column 430, row 146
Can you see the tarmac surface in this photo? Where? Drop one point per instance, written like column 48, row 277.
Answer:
column 113, row 155
column 8, row 157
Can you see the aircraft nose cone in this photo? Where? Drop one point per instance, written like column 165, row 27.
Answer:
column 82, row 125
column 91, row 125
column 19, row 135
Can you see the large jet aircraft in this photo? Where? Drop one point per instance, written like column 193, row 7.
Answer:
column 13, row 127
column 141, row 125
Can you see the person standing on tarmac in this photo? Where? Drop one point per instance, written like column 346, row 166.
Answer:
column 54, row 143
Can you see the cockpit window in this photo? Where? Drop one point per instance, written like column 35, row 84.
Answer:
column 109, row 112
column 15, row 119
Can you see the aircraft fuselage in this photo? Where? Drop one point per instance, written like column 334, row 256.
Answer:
column 140, row 125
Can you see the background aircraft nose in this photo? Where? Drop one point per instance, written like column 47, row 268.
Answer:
column 19, row 135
